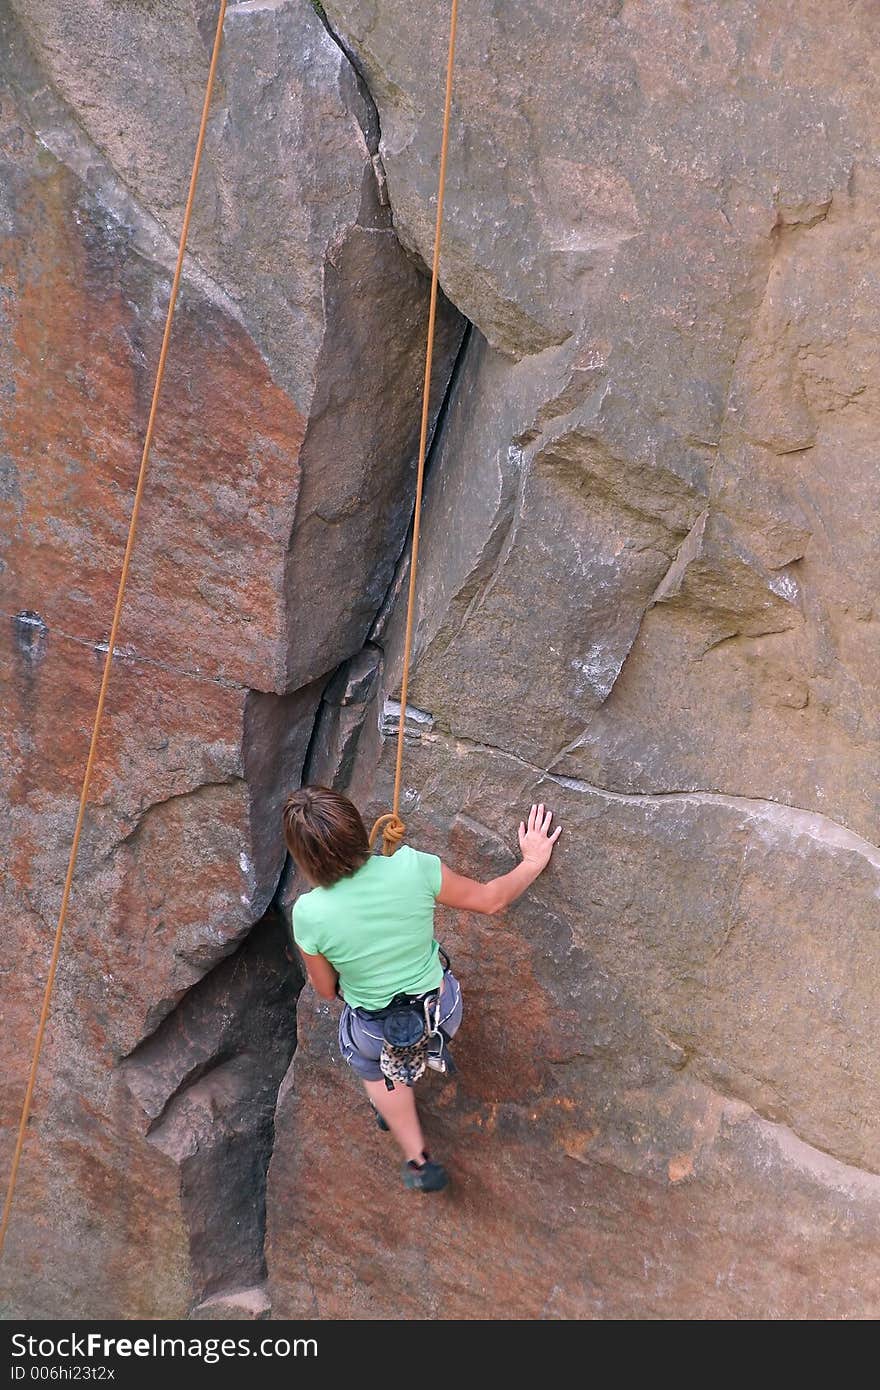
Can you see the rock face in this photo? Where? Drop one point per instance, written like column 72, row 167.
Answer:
column 647, row 596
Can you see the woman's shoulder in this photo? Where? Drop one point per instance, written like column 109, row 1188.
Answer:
column 307, row 906
column 420, row 865
column 305, row 920
column 299, row 909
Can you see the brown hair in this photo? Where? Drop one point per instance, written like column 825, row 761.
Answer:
column 325, row 834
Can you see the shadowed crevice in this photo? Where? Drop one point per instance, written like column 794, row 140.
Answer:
column 208, row 1079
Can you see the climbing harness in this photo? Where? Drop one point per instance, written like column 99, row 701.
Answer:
column 390, row 824
column 114, row 629
column 413, row 1038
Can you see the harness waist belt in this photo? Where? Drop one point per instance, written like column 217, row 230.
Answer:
column 400, row 1001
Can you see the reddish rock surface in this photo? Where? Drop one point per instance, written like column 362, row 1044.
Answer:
column 628, row 1130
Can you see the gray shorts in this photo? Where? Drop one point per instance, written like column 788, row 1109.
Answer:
column 360, row 1039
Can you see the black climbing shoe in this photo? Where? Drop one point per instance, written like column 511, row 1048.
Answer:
column 425, row 1177
column 380, row 1123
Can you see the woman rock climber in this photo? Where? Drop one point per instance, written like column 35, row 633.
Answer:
column 366, row 932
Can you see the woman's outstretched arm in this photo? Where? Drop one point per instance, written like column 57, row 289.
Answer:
column 536, row 845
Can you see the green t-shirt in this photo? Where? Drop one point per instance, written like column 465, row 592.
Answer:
column 376, row 927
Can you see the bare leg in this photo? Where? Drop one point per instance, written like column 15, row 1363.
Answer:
column 398, row 1110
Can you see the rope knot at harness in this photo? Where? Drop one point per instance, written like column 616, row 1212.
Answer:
column 393, row 830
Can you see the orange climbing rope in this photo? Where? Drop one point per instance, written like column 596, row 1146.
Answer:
column 117, row 612
column 391, row 826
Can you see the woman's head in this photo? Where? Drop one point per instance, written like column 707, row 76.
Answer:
column 325, row 834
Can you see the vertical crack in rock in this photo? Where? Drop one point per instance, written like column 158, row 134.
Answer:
column 351, row 688
column 277, row 733
column 353, row 518
column 401, row 567
column 372, row 128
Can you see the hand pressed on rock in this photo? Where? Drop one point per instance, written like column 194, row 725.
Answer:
column 535, row 840
column 536, row 843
